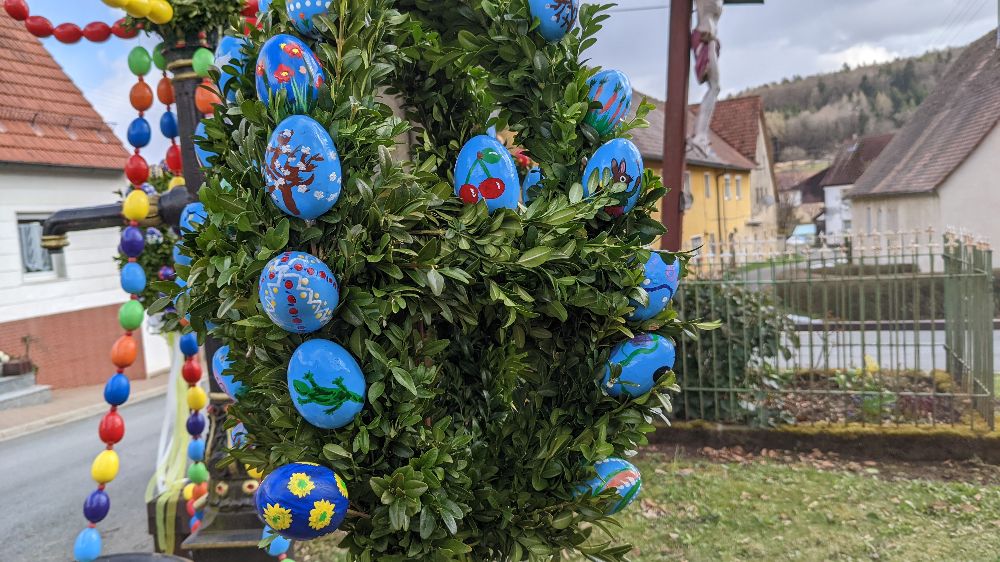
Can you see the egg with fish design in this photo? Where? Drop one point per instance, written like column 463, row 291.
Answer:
column 616, row 161
column 301, row 13
column 301, row 168
column 326, row 384
column 486, row 170
column 298, row 292
column 616, row 474
column 643, row 359
column 612, row 89
column 660, row 281
column 287, row 64
column 555, row 17
column 223, row 374
column 229, row 52
column 302, row 500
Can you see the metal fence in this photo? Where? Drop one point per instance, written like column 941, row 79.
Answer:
column 872, row 329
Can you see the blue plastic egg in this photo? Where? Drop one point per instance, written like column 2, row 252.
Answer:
column 619, row 475
column 531, row 179
column 643, row 359
column 486, row 170
column 613, row 90
column 87, row 546
column 286, row 64
column 302, row 168
column 301, row 13
column 196, row 450
column 132, row 241
column 279, row 545
column 179, row 258
column 133, row 278
column 229, row 52
column 302, row 501
column 298, row 292
column 224, row 376
column 616, row 161
column 116, row 390
column 202, row 154
column 96, row 506
column 556, row 17
column 168, row 124
column 138, row 133
column 189, row 344
column 660, row 281
column 326, row 384
column 192, row 216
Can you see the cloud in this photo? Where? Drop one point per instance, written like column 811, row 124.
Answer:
column 855, row 55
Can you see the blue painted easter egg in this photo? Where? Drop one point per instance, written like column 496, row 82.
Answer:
column 138, row 132
column 531, row 179
column 286, row 63
column 619, row 475
column 133, row 241
column 238, row 435
column 196, row 450
column 263, row 6
column 301, row 13
column 302, row 168
column 189, row 344
column 168, row 124
column 486, row 170
column 96, row 506
column 223, row 375
column 202, row 154
column 192, row 216
column 279, row 545
column 229, row 53
column 116, row 390
column 133, row 278
column 643, row 359
column 179, row 258
column 613, row 90
column 298, row 292
column 87, row 546
column 326, row 384
column 660, row 281
column 302, row 501
column 616, row 161
column 556, row 17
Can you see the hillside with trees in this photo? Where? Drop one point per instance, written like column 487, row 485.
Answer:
column 811, row 117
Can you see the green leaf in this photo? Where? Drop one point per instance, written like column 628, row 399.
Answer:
column 436, row 282
column 491, row 156
column 535, row 256
column 334, row 451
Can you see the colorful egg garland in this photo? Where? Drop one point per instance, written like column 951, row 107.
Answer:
column 197, row 400
column 616, row 161
column 486, row 170
column 298, row 292
column 660, row 281
column 302, row 168
column 96, row 32
column 616, row 474
column 613, row 91
column 302, row 501
column 643, row 359
column 326, row 384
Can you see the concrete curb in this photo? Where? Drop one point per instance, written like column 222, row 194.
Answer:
column 78, row 414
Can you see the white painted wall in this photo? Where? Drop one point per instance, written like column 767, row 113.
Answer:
column 970, row 196
column 839, row 217
column 895, row 214
column 762, row 182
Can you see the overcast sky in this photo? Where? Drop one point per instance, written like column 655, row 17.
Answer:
column 760, row 43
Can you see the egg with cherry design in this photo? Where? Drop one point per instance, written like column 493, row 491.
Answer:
column 485, row 170
column 660, row 281
column 298, row 292
column 643, row 359
column 302, row 501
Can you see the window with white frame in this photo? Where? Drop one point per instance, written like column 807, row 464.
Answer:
column 35, row 260
column 729, row 182
column 739, row 187
column 708, row 186
column 696, row 242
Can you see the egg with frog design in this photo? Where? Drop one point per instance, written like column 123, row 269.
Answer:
column 229, row 52
column 326, row 384
column 616, row 161
column 286, row 64
column 223, row 374
column 659, row 280
column 643, row 359
column 612, row 89
column 616, row 474
column 301, row 168
column 486, row 170
column 301, row 13
column 556, row 17
column 302, row 500
column 298, row 292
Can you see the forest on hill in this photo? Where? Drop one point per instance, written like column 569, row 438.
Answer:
column 811, row 117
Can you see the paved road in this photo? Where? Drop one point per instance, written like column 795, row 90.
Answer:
column 46, row 477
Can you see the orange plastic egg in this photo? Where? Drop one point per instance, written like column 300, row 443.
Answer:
column 141, row 96
column 206, row 97
column 165, row 91
column 124, row 352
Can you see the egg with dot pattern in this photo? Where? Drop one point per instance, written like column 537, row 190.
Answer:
column 301, row 13
column 298, row 292
column 302, row 501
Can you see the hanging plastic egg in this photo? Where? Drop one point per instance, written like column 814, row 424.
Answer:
column 96, row 506
column 660, row 280
column 286, row 64
column 613, row 90
column 87, row 546
column 229, row 52
column 189, row 344
column 616, row 161
column 124, row 351
column 302, row 501
column 160, row 11
column 616, row 474
column 133, row 278
column 139, row 61
column 206, row 96
column 132, row 241
column 643, row 359
column 326, row 384
column 130, row 315
column 298, row 292
column 531, row 179
column 168, row 124
column 138, row 133
column 302, row 168
column 224, row 375
column 166, row 273
column 165, row 91
column 136, row 170
column 196, row 450
column 556, row 17
column 202, row 61
column 116, row 390
column 192, row 216
column 136, row 205
column 202, row 154
column 486, row 170
column 173, row 159
column 301, row 13
column 141, row 96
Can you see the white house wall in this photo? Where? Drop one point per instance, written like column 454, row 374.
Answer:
column 762, row 181
column 970, row 196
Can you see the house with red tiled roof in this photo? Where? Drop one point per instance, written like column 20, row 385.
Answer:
column 941, row 169
column 55, row 153
column 853, row 158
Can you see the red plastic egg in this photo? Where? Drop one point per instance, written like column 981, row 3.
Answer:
column 68, row 32
column 191, row 371
column 250, row 8
column 206, row 97
column 173, row 159
column 112, row 428
column 137, row 170
column 141, row 96
column 124, row 351
column 190, row 508
column 199, row 490
column 165, row 91
column 97, row 31
column 38, row 26
column 17, row 9
column 120, row 31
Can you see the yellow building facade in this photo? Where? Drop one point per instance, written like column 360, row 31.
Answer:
column 719, row 207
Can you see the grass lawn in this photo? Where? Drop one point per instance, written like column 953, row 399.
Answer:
column 803, row 507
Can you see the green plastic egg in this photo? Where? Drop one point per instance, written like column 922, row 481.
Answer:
column 202, row 60
column 139, row 61
column 130, row 315
column 198, row 473
column 158, row 60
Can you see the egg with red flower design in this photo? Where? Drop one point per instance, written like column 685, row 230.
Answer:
column 286, row 63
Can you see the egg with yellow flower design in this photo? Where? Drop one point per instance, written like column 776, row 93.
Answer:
column 302, row 501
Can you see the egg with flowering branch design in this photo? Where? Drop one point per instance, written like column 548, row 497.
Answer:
column 301, row 168
column 556, row 17
column 486, row 170
column 298, row 292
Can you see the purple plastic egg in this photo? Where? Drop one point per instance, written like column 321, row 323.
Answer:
column 96, row 506
column 133, row 241
column 195, row 424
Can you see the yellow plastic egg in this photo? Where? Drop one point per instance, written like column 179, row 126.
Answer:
column 160, row 11
column 188, row 491
column 136, row 205
column 176, row 181
column 254, row 473
column 196, row 397
column 105, row 467
column 138, row 8
column 115, row 3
